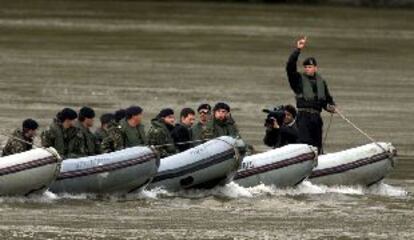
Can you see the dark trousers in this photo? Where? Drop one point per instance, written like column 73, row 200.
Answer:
column 310, row 127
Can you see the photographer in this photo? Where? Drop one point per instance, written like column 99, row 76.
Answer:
column 281, row 128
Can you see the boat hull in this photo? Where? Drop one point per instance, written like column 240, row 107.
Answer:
column 283, row 167
column 28, row 172
column 204, row 166
column 124, row 171
column 364, row 165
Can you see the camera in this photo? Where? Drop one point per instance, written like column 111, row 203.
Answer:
column 278, row 114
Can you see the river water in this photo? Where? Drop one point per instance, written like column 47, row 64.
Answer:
column 111, row 54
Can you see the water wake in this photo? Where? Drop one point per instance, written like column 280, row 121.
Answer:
column 229, row 191
column 234, row 191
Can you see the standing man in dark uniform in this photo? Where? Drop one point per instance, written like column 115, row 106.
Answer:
column 312, row 95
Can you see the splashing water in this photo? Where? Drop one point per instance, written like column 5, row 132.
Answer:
column 234, row 191
column 230, row 191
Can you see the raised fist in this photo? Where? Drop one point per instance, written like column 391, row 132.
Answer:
column 301, row 43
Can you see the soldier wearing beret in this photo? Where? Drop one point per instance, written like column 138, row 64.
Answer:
column 222, row 123
column 130, row 131
column 160, row 132
column 204, row 111
column 64, row 136
column 102, row 131
column 312, row 95
column 86, row 118
column 22, row 138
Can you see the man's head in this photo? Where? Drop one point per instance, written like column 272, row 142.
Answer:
column 187, row 116
column 105, row 119
column 119, row 115
column 205, row 112
column 167, row 116
column 221, row 111
column 67, row 117
column 133, row 115
column 86, row 116
column 30, row 127
column 310, row 66
column 290, row 114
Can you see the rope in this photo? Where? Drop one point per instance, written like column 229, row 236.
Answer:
column 179, row 143
column 327, row 131
column 361, row 131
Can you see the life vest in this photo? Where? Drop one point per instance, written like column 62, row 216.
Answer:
column 307, row 90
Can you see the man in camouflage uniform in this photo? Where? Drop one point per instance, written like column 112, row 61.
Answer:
column 21, row 139
column 102, row 131
column 129, row 133
column 204, row 110
column 85, row 121
column 63, row 136
column 222, row 123
column 159, row 134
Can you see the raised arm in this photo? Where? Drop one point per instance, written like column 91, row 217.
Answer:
column 294, row 76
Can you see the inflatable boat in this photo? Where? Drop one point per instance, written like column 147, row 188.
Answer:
column 204, row 166
column 282, row 167
column 364, row 165
column 125, row 171
column 28, row 172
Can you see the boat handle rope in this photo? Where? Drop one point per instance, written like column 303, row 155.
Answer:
column 327, row 131
column 179, row 143
column 389, row 154
column 236, row 151
column 234, row 146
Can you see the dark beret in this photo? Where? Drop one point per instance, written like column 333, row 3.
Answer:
column 67, row 113
column 120, row 114
column 165, row 112
column 221, row 105
column 310, row 61
column 132, row 111
column 107, row 118
column 86, row 112
column 204, row 106
column 30, row 124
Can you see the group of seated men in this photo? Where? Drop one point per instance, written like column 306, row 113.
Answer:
column 70, row 132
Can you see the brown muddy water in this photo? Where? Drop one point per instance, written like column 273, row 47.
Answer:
column 111, row 54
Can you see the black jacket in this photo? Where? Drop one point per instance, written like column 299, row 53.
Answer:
column 182, row 133
column 278, row 137
column 295, row 81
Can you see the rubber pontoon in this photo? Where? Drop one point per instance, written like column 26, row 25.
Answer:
column 283, row 167
column 364, row 165
column 124, row 171
column 204, row 166
column 28, row 172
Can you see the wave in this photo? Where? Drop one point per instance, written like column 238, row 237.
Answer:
column 234, row 191
column 229, row 191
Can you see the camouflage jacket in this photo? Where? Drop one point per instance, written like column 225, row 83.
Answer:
column 100, row 134
column 159, row 134
column 14, row 146
column 92, row 146
column 215, row 128
column 69, row 143
column 196, row 130
column 122, row 136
